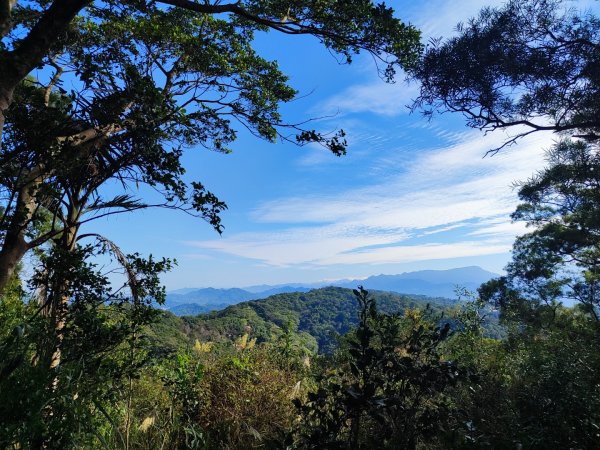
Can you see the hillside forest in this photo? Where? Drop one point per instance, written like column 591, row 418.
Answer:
column 99, row 93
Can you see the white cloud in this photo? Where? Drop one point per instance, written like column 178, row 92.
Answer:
column 374, row 96
column 425, row 252
column 443, row 229
column 438, row 18
column 309, row 245
column 450, row 194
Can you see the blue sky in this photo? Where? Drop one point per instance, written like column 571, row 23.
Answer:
column 410, row 194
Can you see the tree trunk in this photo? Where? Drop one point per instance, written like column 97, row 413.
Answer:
column 14, row 246
column 12, row 252
column 354, row 431
column 60, row 303
column 31, row 50
column 6, row 96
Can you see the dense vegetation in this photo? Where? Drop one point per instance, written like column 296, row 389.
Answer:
column 86, row 364
column 247, row 377
column 323, row 314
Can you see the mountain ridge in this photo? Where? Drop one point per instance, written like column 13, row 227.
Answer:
column 317, row 316
column 431, row 283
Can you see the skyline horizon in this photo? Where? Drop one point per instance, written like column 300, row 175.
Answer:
column 323, row 282
column 411, row 194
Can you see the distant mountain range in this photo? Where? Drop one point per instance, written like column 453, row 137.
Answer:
column 318, row 317
column 431, row 283
column 190, row 301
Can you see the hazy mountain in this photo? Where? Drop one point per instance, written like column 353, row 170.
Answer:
column 195, row 301
column 208, row 296
column 282, row 290
column 183, row 291
column 287, row 287
column 193, row 309
column 472, row 274
column 432, row 283
column 435, row 283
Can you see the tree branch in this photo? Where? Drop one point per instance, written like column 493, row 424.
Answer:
column 32, row 49
column 6, row 7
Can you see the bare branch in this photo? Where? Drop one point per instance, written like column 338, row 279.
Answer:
column 53, row 81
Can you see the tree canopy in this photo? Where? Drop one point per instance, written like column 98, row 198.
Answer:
column 146, row 81
column 100, row 92
column 116, row 91
column 558, row 261
column 533, row 66
column 533, row 63
column 37, row 30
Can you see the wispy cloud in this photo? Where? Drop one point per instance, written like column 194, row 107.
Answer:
column 428, row 198
column 374, row 96
column 452, row 200
column 426, row 252
column 437, row 18
column 301, row 245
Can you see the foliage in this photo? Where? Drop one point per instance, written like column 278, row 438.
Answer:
column 530, row 63
column 549, row 361
column 84, row 364
column 148, row 80
column 226, row 397
column 555, row 390
column 536, row 390
column 325, row 314
column 98, row 346
column 389, row 391
column 558, row 261
column 395, row 381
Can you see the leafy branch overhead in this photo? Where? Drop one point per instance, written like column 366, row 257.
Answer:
column 346, row 27
column 126, row 87
column 530, row 64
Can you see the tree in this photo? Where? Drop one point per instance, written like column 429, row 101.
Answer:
column 38, row 29
column 559, row 261
column 532, row 66
column 536, row 65
column 529, row 63
column 150, row 79
column 388, row 388
column 55, row 382
column 147, row 80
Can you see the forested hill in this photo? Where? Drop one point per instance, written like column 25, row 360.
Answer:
column 431, row 283
column 318, row 316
